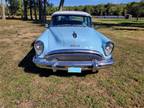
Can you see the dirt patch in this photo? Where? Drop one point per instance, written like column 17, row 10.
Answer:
column 26, row 104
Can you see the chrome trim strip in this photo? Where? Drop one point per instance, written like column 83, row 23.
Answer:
column 74, row 51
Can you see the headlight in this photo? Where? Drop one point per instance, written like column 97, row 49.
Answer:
column 39, row 47
column 108, row 48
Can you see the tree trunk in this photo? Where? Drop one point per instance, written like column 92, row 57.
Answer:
column 40, row 10
column 44, row 11
column 1, row 7
column 3, row 10
column 35, row 10
column 25, row 9
column 61, row 5
column 31, row 16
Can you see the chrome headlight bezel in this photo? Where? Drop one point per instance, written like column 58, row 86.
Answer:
column 108, row 48
column 39, row 47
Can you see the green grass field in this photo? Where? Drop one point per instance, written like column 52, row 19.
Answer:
column 121, row 85
column 120, row 22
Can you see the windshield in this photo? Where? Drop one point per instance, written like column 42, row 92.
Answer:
column 71, row 20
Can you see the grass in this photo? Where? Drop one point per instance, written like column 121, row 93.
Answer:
column 119, row 22
column 121, row 85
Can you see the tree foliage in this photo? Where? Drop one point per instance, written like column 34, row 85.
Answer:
column 41, row 8
column 101, row 10
column 136, row 9
column 13, row 6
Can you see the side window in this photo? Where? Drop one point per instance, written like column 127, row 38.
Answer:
column 89, row 21
column 85, row 21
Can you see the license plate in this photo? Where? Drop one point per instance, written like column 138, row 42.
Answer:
column 74, row 70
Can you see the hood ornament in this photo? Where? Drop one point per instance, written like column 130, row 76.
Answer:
column 74, row 35
column 74, row 44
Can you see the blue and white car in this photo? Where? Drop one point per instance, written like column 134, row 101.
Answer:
column 71, row 43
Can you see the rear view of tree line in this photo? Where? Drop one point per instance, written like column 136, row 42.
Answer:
column 38, row 9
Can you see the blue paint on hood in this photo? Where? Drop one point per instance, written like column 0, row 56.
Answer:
column 56, row 38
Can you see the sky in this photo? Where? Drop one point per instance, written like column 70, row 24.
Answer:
column 90, row 2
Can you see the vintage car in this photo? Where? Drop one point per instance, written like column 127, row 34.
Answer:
column 71, row 43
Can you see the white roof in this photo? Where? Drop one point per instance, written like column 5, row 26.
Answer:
column 71, row 13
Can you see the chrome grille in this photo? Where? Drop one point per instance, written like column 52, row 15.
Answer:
column 74, row 56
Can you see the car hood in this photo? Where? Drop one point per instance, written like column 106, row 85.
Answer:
column 64, row 38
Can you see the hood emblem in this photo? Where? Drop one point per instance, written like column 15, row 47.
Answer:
column 74, row 35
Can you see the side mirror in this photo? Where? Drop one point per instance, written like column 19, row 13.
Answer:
column 46, row 25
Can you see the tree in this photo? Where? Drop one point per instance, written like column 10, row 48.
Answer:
column 25, row 2
column 61, row 5
column 107, row 7
column 35, row 9
column 89, row 9
column 30, row 7
column 44, row 11
column 12, row 6
column 20, row 10
column 3, row 10
column 136, row 9
column 100, row 10
column 40, row 10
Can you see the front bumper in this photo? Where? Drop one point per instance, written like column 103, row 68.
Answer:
column 64, row 65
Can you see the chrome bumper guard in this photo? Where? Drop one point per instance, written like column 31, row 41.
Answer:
column 63, row 65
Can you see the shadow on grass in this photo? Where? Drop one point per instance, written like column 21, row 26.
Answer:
column 29, row 67
column 40, row 23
